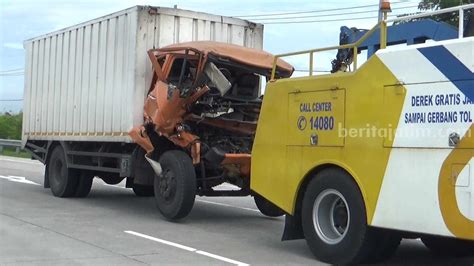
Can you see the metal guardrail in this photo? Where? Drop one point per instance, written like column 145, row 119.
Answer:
column 383, row 36
column 10, row 143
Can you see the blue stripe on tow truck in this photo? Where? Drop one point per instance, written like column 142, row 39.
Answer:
column 452, row 68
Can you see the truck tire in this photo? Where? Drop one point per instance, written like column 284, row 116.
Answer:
column 446, row 246
column 63, row 181
column 266, row 207
column 84, row 184
column 334, row 219
column 143, row 190
column 175, row 187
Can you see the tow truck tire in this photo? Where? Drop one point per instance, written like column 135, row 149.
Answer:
column 446, row 246
column 267, row 208
column 84, row 184
column 334, row 219
column 175, row 187
column 143, row 190
column 63, row 181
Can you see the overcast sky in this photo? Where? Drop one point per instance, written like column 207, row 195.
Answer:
column 24, row 19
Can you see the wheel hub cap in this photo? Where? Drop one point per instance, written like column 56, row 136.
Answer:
column 331, row 216
column 167, row 184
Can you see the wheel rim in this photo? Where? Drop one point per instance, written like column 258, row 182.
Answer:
column 167, row 185
column 331, row 216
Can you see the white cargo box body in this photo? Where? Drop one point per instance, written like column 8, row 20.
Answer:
column 88, row 82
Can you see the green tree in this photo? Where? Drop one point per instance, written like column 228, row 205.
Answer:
column 452, row 19
column 440, row 4
column 10, row 126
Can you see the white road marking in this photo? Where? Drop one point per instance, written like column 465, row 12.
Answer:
column 226, row 186
column 169, row 243
column 217, row 257
column 227, row 205
column 200, row 252
column 19, row 179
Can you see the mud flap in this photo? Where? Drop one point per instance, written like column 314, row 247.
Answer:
column 293, row 229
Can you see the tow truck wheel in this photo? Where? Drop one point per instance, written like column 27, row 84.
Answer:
column 63, row 181
column 446, row 246
column 267, row 208
column 175, row 187
column 334, row 219
column 84, row 184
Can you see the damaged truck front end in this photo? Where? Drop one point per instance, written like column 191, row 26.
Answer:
column 200, row 118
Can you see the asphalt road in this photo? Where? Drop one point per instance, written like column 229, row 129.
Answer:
column 113, row 226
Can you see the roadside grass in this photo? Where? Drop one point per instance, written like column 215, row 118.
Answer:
column 11, row 152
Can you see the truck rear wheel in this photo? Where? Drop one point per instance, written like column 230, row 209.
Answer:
column 63, row 181
column 84, row 184
column 447, row 246
column 175, row 187
column 267, row 208
column 334, row 219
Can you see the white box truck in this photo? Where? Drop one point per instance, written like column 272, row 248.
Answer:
column 85, row 88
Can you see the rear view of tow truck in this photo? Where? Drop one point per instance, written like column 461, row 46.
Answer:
column 359, row 160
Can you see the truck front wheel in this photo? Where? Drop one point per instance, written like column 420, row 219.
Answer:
column 334, row 219
column 63, row 181
column 175, row 187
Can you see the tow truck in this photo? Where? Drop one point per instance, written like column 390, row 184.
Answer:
column 359, row 174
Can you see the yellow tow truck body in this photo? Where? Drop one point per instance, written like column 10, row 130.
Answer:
column 283, row 156
column 390, row 141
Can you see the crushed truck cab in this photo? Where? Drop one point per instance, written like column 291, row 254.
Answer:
column 398, row 131
column 200, row 117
